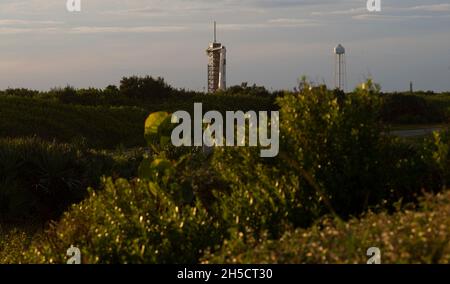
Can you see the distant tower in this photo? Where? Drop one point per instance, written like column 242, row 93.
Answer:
column 217, row 65
column 411, row 89
column 340, row 72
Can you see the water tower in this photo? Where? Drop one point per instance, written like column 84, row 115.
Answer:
column 217, row 65
column 340, row 72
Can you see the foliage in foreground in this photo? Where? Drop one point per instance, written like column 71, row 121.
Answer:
column 418, row 235
column 129, row 223
column 12, row 244
column 334, row 158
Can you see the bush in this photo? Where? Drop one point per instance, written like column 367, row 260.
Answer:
column 41, row 179
column 413, row 236
column 407, row 171
column 411, row 109
column 161, row 218
column 337, row 140
column 135, row 222
column 144, row 88
column 437, row 155
column 334, row 159
column 244, row 89
column 12, row 244
column 328, row 162
column 19, row 92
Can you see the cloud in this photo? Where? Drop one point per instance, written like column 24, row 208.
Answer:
column 285, row 3
column 350, row 11
column 381, row 17
column 272, row 23
column 432, row 8
column 292, row 22
column 390, row 13
column 161, row 7
column 17, row 31
column 92, row 30
column 30, row 7
column 280, row 29
column 19, row 22
column 140, row 29
column 136, row 11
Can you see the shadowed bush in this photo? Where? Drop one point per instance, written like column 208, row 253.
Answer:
column 411, row 109
column 41, row 179
column 136, row 222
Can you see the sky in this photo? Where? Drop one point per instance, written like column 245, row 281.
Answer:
column 269, row 42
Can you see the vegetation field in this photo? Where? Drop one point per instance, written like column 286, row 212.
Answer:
column 99, row 126
column 90, row 168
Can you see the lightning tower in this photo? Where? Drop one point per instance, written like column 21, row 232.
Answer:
column 217, row 65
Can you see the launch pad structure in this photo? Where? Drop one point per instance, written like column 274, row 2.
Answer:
column 217, row 64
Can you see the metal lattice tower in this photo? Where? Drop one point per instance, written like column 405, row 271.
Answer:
column 216, row 65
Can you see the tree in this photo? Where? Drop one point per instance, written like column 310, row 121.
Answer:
column 144, row 87
column 111, row 90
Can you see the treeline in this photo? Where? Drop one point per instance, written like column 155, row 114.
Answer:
column 404, row 108
column 132, row 91
column 111, row 117
column 98, row 126
column 153, row 94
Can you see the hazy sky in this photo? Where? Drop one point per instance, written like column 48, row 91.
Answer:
column 269, row 42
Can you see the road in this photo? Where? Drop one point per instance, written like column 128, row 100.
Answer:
column 415, row 132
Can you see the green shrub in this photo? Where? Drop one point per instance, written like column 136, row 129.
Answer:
column 144, row 88
column 329, row 161
column 337, row 140
column 437, row 154
column 13, row 242
column 334, row 158
column 407, row 171
column 129, row 222
column 414, row 236
column 411, row 109
column 42, row 179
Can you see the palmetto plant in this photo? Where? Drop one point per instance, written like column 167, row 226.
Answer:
column 42, row 179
